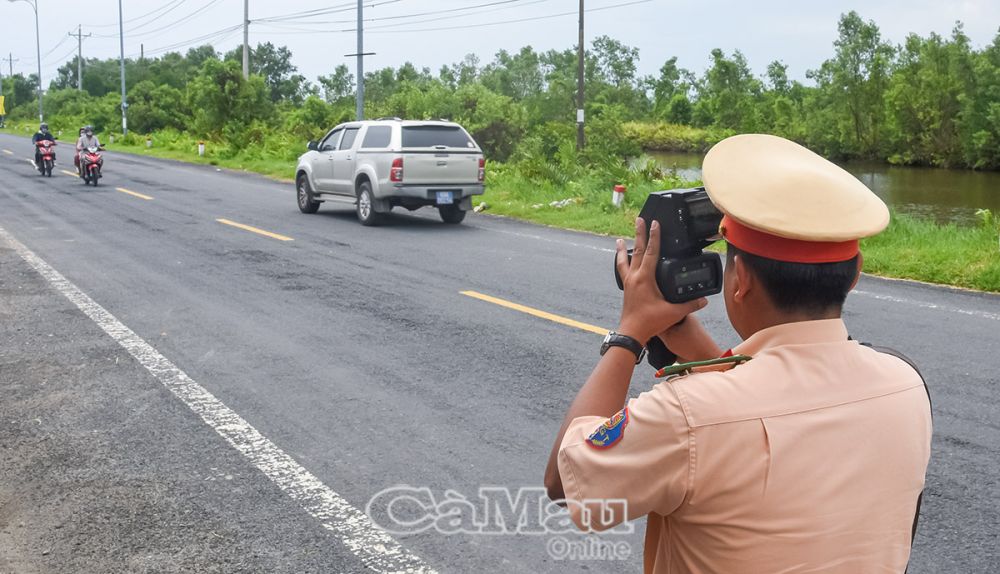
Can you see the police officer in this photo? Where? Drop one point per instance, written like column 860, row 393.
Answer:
column 807, row 451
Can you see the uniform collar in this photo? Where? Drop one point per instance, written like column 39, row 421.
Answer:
column 798, row 333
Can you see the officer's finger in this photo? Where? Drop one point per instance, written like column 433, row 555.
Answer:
column 621, row 259
column 640, row 244
column 691, row 306
column 652, row 248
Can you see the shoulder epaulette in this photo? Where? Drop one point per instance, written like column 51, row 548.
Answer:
column 687, row 368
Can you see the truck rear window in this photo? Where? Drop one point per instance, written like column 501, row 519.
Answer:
column 431, row 136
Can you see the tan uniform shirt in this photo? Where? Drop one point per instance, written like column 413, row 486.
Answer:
column 808, row 458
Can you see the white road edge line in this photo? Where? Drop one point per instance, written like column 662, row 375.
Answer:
column 925, row 305
column 545, row 239
column 376, row 549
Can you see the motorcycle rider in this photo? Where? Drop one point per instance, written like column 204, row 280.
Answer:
column 86, row 141
column 76, row 155
column 43, row 135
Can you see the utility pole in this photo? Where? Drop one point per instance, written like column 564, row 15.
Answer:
column 38, row 54
column 246, row 39
column 121, row 59
column 579, row 86
column 79, row 57
column 361, row 61
column 10, row 61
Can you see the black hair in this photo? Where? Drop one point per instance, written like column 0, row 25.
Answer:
column 801, row 287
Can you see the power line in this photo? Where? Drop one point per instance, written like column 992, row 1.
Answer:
column 46, row 54
column 59, row 61
column 56, row 47
column 130, row 20
column 501, row 3
column 309, row 13
column 161, row 15
column 220, row 34
column 526, row 3
column 293, row 30
column 519, row 20
column 168, row 26
column 321, row 12
column 450, row 10
column 282, row 26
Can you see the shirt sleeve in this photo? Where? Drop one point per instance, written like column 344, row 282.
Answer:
column 646, row 469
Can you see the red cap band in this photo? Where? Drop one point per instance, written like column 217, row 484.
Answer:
column 783, row 249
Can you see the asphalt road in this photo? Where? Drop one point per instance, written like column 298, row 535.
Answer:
column 358, row 353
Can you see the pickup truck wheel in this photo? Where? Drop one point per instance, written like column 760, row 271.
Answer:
column 303, row 191
column 451, row 214
column 366, row 206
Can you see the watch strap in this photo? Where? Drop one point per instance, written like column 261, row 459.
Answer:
column 614, row 339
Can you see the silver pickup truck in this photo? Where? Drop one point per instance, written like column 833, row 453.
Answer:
column 379, row 164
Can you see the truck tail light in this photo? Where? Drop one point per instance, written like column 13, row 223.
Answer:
column 396, row 173
column 482, row 170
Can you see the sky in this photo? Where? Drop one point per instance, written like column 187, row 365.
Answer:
column 432, row 33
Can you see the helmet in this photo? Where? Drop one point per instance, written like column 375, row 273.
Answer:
column 44, row 127
column 89, row 130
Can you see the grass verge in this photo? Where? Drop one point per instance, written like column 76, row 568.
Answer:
column 282, row 169
column 918, row 249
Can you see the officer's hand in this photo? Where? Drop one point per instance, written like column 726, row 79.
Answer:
column 645, row 312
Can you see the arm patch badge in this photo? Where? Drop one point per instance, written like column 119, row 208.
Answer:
column 610, row 432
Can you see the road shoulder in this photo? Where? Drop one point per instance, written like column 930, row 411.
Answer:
column 102, row 469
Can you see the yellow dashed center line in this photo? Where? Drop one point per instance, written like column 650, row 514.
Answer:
column 69, row 173
column 536, row 312
column 255, row 230
column 139, row 195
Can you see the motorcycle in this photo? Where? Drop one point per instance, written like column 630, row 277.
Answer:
column 91, row 162
column 47, row 157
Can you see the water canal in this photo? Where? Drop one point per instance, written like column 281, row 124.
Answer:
column 941, row 194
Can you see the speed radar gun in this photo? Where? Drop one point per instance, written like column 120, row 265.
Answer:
column 688, row 224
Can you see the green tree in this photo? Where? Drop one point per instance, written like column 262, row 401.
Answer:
column 154, row 107
column 225, row 104
column 671, row 83
column 853, row 85
column 19, row 91
column 518, row 76
column 274, row 63
column 728, row 95
column 979, row 123
column 616, row 62
column 931, row 79
column 339, row 85
column 462, row 73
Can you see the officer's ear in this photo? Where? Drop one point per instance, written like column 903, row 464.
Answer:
column 745, row 280
column 857, row 276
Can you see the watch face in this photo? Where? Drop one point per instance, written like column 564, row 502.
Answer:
column 605, row 345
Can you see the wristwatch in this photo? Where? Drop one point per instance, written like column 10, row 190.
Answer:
column 617, row 340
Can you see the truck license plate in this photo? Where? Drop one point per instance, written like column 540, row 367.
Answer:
column 445, row 198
